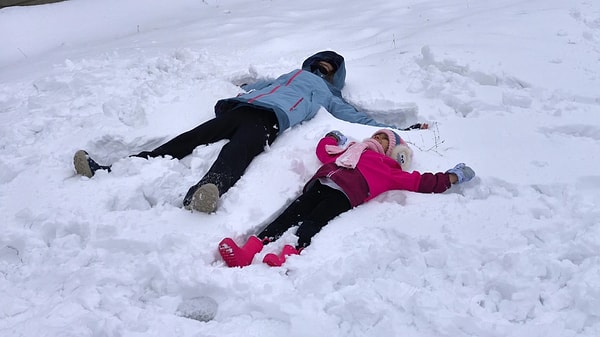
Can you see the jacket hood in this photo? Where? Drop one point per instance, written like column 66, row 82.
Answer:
column 337, row 61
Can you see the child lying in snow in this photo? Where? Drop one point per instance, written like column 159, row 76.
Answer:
column 347, row 178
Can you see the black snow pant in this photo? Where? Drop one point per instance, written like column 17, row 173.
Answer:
column 248, row 129
column 311, row 211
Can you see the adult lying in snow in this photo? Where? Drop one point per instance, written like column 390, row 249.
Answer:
column 347, row 178
column 251, row 121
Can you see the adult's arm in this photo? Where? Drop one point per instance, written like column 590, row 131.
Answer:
column 347, row 112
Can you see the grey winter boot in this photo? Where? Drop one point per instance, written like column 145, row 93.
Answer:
column 86, row 166
column 204, row 199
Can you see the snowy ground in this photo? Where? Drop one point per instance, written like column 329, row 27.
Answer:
column 509, row 86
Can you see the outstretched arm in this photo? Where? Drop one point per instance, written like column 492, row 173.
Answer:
column 345, row 111
column 429, row 182
column 440, row 182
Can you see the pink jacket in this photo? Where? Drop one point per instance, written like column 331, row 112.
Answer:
column 380, row 172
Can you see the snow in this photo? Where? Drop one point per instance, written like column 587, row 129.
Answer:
column 509, row 86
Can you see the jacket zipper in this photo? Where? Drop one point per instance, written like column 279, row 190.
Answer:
column 296, row 104
column 277, row 88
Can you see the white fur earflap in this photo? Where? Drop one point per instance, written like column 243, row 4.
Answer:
column 403, row 155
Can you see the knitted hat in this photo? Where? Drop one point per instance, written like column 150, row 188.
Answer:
column 397, row 148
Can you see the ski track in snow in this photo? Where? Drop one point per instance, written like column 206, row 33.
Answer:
column 516, row 252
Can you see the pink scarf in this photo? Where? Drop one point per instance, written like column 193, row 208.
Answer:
column 351, row 155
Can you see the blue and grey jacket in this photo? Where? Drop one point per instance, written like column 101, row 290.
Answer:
column 297, row 96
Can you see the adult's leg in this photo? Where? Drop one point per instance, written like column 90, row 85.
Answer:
column 311, row 211
column 224, row 126
column 211, row 131
column 254, row 130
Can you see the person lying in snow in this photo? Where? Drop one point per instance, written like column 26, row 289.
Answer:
column 251, row 121
column 348, row 177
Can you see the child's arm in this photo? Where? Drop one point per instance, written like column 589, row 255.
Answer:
column 440, row 182
column 429, row 182
column 434, row 182
column 332, row 138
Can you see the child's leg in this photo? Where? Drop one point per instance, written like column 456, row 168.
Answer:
column 327, row 204
column 311, row 211
column 332, row 203
column 290, row 217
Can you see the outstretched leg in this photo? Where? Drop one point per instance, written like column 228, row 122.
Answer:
column 311, row 211
column 211, row 131
column 254, row 129
column 208, row 132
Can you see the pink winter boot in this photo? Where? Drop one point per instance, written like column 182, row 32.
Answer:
column 276, row 261
column 236, row 256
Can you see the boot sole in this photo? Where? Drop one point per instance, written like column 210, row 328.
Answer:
column 227, row 254
column 82, row 167
column 205, row 199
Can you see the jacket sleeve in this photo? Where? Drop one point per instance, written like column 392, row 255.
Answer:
column 420, row 182
column 322, row 154
column 402, row 180
column 257, row 85
column 434, row 182
column 345, row 111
